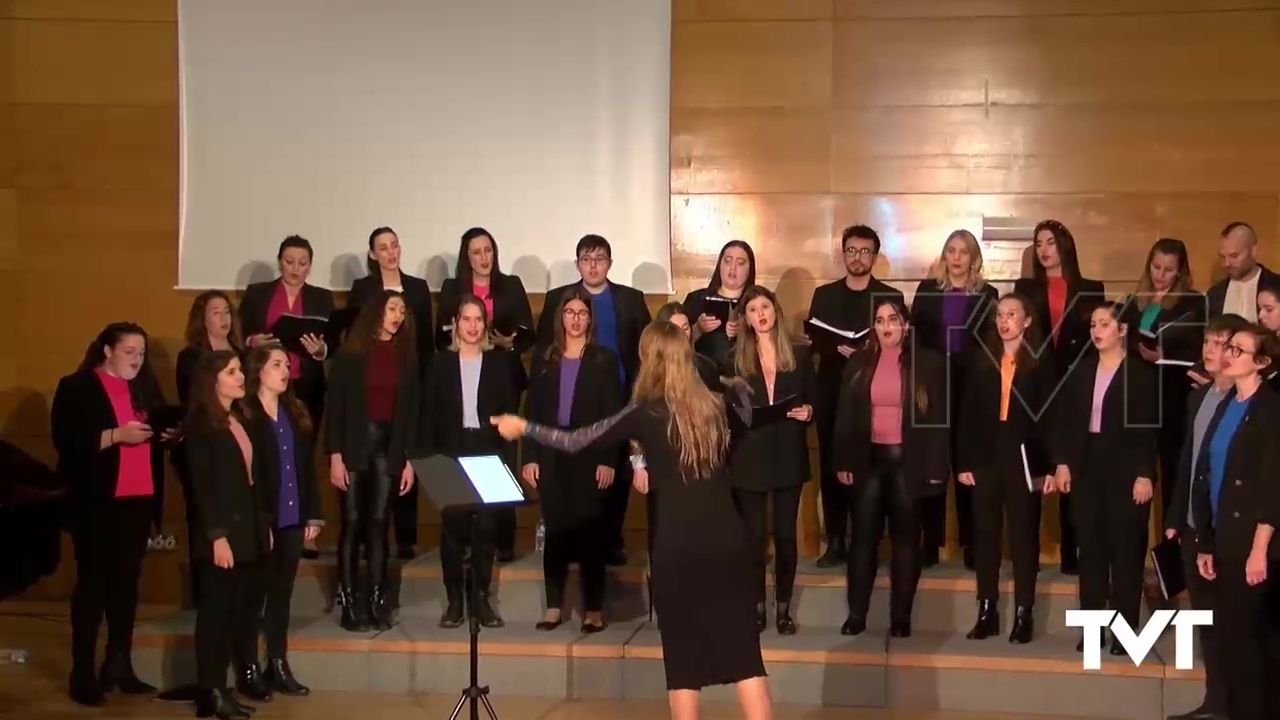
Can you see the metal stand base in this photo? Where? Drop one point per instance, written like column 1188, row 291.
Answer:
column 474, row 694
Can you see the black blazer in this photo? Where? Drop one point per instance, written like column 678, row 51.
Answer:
column 1129, row 421
column 81, row 412
column 926, row 315
column 417, row 295
column 228, row 505
column 837, row 305
column 1180, row 330
column 315, row 301
column 926, row 433
column 1250, row 495
column 1073, row 331
column 302, row 456
column 510, row 305
column 716, row 344
column 347, row 416
column 442, row 401
column 596, row 396
column 1028, row 420
column 630, row 313
column 1175, row 516
column 775, row 455
column 1216, row 295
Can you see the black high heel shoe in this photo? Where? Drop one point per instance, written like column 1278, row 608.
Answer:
column 782, row 620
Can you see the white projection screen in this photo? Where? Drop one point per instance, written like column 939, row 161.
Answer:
column 539, row 120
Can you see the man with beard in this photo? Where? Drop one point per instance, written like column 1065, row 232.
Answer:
column 845, row 304
column 1237, row 293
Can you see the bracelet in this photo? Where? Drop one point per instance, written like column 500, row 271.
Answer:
column 637, row 462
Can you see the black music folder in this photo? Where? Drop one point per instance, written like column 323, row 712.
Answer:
column 511, row 329
column 822, row 334
column 1166, row 557
column 777, row 412
column 289, row 329
column 165, row 417
column 718, row 307
column 474, row 481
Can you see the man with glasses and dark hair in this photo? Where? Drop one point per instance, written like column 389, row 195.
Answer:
column 619, row 315
column 845, row 304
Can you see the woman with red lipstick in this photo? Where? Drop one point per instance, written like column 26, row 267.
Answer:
column 371, row 430
column 113, row 469
column 573, row 384
column 1003, row 433
column 735, row 272
column 769, row 465
column 510, row 327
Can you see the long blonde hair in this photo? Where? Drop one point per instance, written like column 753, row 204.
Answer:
column 746, row 359
column 697, row 427
column 943, row 278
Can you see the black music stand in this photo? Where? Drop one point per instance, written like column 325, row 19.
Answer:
column 470, row 484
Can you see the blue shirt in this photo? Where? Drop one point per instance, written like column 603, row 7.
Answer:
column 605, row 318
column 1220, row 444
column 1199, row 432
column 289, row 514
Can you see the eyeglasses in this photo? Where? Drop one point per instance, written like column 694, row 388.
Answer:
column 577, row 314
column 595, row 259
column 860, row 252
column 1234, row 351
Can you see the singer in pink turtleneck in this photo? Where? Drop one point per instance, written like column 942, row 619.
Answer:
column 886, row 398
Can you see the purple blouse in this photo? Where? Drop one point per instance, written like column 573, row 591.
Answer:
column 568, row 379
column 955, row 311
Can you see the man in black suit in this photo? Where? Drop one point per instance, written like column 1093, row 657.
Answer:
column 1237, row 293
column 846, row 304
column 618, row 315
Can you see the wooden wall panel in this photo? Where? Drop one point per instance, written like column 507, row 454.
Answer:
column 852, row 9
column 96, row 63
column 98, row 146
column 750, row 150
column 719, row 10
column 163, row 11
column 751, row 64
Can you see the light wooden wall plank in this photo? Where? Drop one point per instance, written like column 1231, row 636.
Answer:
column 719, row 10
column 98, row 146
column 129, row 10
column 856, row 9
column 756, row 64
column 95, row 63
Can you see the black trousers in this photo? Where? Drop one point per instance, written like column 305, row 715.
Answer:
column 1248, row 622
column 1001, row 489
column 110, row 540
column 455, row 528
column 1113, row 539
column 191, row 514
column 1204, row 596
column 933, row 508
column 366, row 504
column 884, row 494
column 754, row 505
column 579, row 541
column 1170, row 449
column 226, row 620
column 834, row 495
column 404, row 517
column 616, row 499
column 272, row 595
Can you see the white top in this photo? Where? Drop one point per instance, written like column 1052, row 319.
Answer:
column 1242, row 297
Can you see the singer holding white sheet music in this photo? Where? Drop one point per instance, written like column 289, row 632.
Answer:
column 1003, row 432
column 770, row 463
column 1104, row 450
column 263, row 303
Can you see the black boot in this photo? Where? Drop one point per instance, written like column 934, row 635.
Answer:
column 220, row 704
column 84, row 689
column 835, row 554
column 783, row 621
column 762, row 617
column 455, row 609
column 351, row 620
column 280, row 678
column 854, row 625
column 485, row 613
column 988, row 623
column 250, row 682
column 117, row 673
column 379, row 610
column 1023, row 626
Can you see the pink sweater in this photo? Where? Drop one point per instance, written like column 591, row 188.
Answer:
column 886, row 399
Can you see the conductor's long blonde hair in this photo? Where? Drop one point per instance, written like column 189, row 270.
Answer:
column 697, row 428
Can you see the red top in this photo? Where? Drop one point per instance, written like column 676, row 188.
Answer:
column 482, row 292
column 278, row 306
column 1057, row 304
column 134, row 478
column 380, row 388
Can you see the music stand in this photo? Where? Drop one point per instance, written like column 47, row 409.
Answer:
column 471, row 484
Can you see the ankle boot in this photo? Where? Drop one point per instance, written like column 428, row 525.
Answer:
column 84, row 689
column 782, row 620
column 351, row 620
column 485, row 613
column 1023, row 626
column 117, row 673
column 453, row 612
column 379, row 610
column 835, row 554
column 219, row 703
column 280, row 678
column 988, row 622
column 250, row 682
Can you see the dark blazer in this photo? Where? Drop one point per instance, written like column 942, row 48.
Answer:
column 302, row 456
column 926, row 433
column 1129, row 421
column 81, row 412
column 228, row 505
column 510, row 305
column 1028, row 420
column 596, row 396
column 1180, row 330
column 417, row 295
column 716, row 344
column 1073, row 331
column 630, row 313
column 926, row 315
column 1175, row 516
column 315, row 301
column 775, row 455
column 347, row 416
column 1250, row 495
column 835, row 304
column 1216, row 295
column 709, row 371
column 442, row 401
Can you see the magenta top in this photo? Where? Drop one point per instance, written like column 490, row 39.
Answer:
column 134, row 477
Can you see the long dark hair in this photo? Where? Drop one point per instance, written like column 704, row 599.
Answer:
column 373, row 236
column 869, row 357
column 144, row 388
column 1025, row 359
column 1066, row 244
column 205, row 409
column 196, row 334
column 713, row 285
column 368, row 326
column 257, row 360
column 555, row 350
column 462, row 270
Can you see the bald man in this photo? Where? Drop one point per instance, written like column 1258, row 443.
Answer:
column 1237, row 293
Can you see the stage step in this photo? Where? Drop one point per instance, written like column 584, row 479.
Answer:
column 929, row 671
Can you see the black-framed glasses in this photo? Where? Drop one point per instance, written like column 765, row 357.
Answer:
column 577, row 314
column 860, row 252
column 1234, row 351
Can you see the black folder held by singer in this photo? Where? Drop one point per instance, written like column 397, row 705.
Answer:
column 476, row 481
column 768, row 414
column 289, row 329
column 1166, row 557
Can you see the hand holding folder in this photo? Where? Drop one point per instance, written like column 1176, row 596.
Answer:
column 289, row 330
column 824, row 335
column 1166, row 557
column 718, row 307
column 762, row 415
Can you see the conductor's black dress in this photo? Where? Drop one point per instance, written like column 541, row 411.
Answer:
column 703, row 574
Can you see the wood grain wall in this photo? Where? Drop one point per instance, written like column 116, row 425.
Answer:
column 1126, row 119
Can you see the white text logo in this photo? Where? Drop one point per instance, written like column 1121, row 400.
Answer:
column 1138, row 645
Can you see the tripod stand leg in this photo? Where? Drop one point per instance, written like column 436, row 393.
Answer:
column 484, row 698
column 458, row 708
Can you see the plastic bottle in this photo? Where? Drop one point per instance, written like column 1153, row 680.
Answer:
column 540, row 537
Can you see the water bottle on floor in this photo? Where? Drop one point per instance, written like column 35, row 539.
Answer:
column 540, row 537
column 14, row 657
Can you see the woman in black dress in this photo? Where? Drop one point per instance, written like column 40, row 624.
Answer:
column 703, row 570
